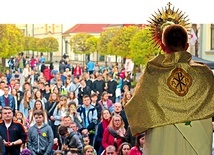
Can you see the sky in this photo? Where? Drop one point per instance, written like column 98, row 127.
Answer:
column 71, row 12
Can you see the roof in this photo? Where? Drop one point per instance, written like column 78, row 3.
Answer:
column 87, row 28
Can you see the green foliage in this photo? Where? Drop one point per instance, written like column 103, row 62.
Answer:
column 28, row 43
column 92, row 44
column 79, row 44
column 11, row 40
column 48, row 44
column 34, row 44
column 141, row 48
column 105, row 39
column 120, row 44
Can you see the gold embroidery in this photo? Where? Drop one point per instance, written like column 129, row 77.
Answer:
column 179, row 82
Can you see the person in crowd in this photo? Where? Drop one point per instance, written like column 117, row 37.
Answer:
column 2, row 147
column 37, row 106
column 47, row 91
column 88, row 115
column 72, row 98
column 47, row 74
column 61, row 88
column 89, row 150
column 14, row 94
column 118, row 110
column 111, row 88
column 38, row 96
column 71, row 142
column 127, row 96
column 72, row 112
column 26, row 71
column 11, row 83
column 83, row 90
column 181, row 122
column 60, row 111
column 114, row 134
column 95, row 103
column 8, row 76
column 127, row 81
column 50, row 107
column 26, row 104
column 110, row 150
column 20, row 93
column 68, row 82
column 105, row 102
column 40, row 135
column 75, row 85
column 76, row 129
column 105, row 120
column 138, row 148
column 124, row 149
column 7, row 99
column 77, row 70
column 88, row 81
column 12, row 132
column 67, row 72
column 41, row 86
column 98, row 86
column 90, row 67
column 119, row 87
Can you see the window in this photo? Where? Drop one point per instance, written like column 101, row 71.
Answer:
column 212, row 36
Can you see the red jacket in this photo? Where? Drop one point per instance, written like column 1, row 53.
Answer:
column 76, row 71
column 47, row 74
column 135, row 151
column 108, row 139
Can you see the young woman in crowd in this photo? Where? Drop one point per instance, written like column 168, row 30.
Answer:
column 60, row 111
column 114, row 134
column 26, row 104
column 127, row 96
column 105, row 120
column 138, row 148
column 88, row 150
column 38, row 96
column 50, row 106
column 124, row 149
column 72, row 112
column 72, row 98
column 37, row 106
column 15, row 95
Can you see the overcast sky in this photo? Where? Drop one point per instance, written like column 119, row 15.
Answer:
column 71, row 12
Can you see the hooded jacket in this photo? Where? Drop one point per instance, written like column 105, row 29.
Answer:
column 40, row 140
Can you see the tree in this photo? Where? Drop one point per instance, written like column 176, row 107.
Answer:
column 48, row 44
column 78, row 44
column 141, row 47
column 92, row 44
column 120, row 44
column 27, row 43
column 34, row 45
column 11, row 41
column 105, row 38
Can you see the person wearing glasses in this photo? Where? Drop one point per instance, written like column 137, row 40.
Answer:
column 12, row 133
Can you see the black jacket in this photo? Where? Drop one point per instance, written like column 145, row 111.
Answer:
column 14, row 132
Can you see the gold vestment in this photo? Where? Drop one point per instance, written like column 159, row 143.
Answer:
column 172, row 89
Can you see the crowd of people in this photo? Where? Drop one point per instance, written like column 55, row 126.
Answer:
column 67, row 110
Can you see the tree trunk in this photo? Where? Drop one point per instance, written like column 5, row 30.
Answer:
column 51, row 56
column 97, row 57
column 3, row 63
